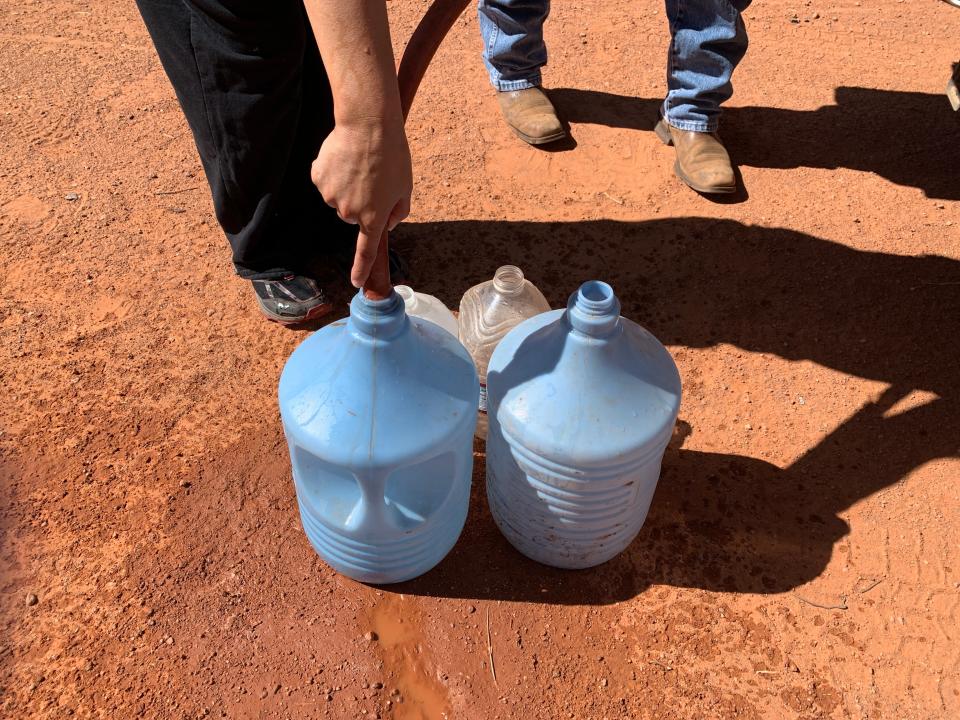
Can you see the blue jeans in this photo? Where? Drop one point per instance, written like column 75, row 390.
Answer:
column 708, row 41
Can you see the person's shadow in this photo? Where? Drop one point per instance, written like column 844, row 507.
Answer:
column 722, row 521
column 909, row 138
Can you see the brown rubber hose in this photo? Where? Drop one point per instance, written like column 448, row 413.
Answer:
column 431, row 31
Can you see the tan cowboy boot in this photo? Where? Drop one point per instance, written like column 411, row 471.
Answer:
column 531, row 115
column 702, row 161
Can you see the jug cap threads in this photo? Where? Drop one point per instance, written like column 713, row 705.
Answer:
column 508, row 280
column 379, row 318
column 594, row 309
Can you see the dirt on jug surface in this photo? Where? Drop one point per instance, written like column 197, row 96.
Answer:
column 800, row 556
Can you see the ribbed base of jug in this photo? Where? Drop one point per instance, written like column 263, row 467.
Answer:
column 564, row 521
column 385, row 563
column 551, row 546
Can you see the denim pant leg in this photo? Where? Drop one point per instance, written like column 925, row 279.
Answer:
column 709, row 39
column 513, row 47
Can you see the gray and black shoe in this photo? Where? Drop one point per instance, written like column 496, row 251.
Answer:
column 292, row 300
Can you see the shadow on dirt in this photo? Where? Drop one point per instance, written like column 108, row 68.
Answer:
column 908, row 138
column 722, row 521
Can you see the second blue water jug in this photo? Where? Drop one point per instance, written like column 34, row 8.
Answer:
column 582, row 403
column 379, row 412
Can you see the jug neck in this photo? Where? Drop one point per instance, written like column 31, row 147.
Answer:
column 508, row 280
column 409, row 297
column 594, row 310
column 377, row 319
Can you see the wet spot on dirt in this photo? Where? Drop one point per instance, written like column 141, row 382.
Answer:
column 407, row 661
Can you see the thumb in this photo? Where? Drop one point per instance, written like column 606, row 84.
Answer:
column 400, row 212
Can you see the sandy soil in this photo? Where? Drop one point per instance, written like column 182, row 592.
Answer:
column 801, row 556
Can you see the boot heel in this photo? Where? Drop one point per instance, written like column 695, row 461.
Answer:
column 663, row 132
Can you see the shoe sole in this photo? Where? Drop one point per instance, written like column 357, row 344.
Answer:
column 662, row 131
column 314, row 313
column 539, row 141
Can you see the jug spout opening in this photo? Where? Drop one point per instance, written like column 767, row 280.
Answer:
column 594, row 309
column 596, row 297
column 508, row 280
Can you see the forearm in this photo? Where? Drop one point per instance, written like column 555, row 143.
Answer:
column 354, row 41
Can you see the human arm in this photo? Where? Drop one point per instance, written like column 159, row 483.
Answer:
column 363, row 168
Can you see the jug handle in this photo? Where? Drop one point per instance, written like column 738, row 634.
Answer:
column 373, row 509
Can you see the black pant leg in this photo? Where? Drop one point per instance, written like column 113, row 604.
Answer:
column 252, row 86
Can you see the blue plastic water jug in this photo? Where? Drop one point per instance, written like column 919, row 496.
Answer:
column 379, row 412
column 582, row 404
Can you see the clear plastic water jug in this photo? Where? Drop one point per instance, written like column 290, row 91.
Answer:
column 582, row 404
column 427, row 307
column 379, row 412
column 489, row 311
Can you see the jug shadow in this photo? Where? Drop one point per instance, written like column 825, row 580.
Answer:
column 721, row 521
column 909, row 138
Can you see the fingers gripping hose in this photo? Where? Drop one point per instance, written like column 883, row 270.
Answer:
column 421, row 48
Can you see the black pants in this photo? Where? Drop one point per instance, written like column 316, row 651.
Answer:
column 251, row 83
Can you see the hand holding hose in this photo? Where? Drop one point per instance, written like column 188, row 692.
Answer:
column 363, row 170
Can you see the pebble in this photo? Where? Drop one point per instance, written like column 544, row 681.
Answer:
column 71, row 196
column 377, row 686
column 371, row 636
column 329, row 697
column 471, row 609
column 31, row 600
column 169, row 641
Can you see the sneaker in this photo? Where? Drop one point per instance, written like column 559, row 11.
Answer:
column 291, row 300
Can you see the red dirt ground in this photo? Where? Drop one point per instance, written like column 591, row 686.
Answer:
column 801, row 555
